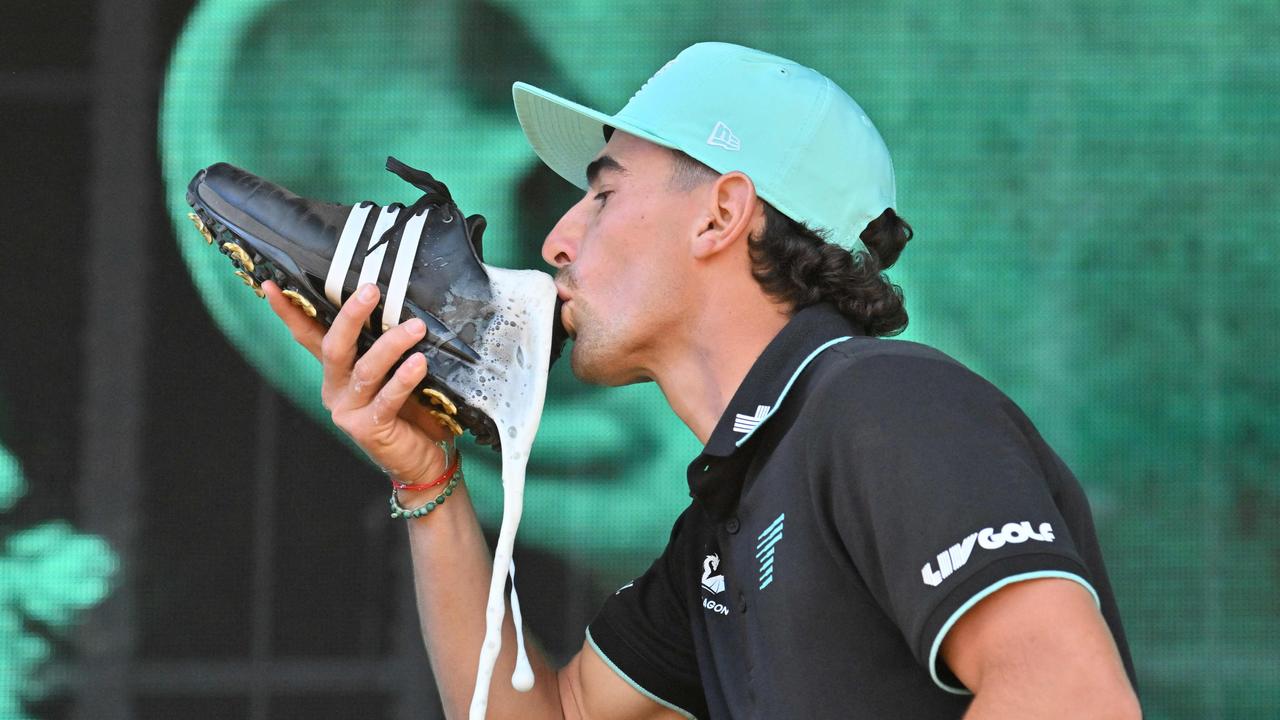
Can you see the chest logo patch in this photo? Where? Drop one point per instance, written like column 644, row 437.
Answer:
column 743, row 423
column 712, row 583
column 768, row 541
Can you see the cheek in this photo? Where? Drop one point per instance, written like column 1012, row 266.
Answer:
column 632, row 266
column 648, row 285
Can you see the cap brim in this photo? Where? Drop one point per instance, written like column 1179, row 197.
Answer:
column 566, row 135
column 563, row 133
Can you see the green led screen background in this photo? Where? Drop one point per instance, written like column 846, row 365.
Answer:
column 1093, row 187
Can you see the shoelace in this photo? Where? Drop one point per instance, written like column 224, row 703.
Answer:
column 434, row 193
column 395, row 220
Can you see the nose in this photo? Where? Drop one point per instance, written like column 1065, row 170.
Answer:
column 561, row 245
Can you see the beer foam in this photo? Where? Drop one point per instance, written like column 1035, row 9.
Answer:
column 510, row 384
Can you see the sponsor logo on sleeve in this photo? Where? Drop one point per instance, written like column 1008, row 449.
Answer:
column 954, row 557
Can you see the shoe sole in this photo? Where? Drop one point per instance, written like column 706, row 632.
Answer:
column 256, row 261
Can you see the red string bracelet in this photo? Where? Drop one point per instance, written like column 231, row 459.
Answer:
column 444, row 476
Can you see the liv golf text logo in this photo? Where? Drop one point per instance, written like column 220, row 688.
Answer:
column 954, row 557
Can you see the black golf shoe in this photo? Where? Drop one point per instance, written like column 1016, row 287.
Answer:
column 426, row 259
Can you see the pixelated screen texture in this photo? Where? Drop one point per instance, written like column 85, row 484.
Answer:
column 1093, row 189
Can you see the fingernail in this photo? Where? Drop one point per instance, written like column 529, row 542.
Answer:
column 416, row 326
column 367, row 293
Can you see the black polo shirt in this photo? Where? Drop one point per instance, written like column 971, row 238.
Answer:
column 856, row 498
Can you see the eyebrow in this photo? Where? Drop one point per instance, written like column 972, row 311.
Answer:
column 602, row 164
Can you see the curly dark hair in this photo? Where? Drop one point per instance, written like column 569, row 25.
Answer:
column 796, row 265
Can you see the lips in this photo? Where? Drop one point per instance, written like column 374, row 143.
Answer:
column 566, row 321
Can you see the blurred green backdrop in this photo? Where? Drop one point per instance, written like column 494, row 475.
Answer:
column 49, row 575
column 1093, row 187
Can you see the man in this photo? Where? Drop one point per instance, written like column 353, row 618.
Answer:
column 874, row 532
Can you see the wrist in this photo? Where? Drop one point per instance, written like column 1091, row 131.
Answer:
column 415, row 500
column 429, row 477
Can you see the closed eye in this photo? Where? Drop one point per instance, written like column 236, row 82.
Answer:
column 602, row 196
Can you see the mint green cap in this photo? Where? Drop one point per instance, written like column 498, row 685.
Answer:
column 809, row 148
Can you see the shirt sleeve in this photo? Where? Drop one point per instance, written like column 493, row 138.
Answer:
column 642, row 632
column 940, row 492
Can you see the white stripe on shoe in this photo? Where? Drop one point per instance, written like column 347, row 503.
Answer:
column 343, row 253
column 373, row 260
column 399, row 283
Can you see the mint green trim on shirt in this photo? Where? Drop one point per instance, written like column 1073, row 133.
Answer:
column 946, row 627
column 778, row 403
column 680, row 711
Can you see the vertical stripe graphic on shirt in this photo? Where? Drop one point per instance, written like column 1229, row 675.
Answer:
column 765, row 547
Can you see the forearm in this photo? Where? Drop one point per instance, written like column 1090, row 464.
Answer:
column 451, row 570
column 369, row 400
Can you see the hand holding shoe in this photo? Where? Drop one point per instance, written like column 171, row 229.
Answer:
column 367, row 401
column 425, row 260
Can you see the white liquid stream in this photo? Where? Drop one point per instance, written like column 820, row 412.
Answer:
column 510, row 385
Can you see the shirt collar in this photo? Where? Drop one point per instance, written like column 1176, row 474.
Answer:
column 809, row 332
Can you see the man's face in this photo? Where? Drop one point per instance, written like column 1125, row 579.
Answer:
column 623, row 254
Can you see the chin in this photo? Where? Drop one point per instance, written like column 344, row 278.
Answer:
column 595, row 365
column 586, row 366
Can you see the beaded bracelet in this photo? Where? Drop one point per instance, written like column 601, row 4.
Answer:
column 407, row 514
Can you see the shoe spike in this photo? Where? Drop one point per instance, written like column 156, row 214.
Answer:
column 238, row 253
column 301, row 302
column 208, row 236
column 438, row 399
column 248, row 280
column 446, row 421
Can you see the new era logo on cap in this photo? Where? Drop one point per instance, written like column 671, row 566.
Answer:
column 722, row 137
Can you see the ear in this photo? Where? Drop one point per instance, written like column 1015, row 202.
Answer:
column 732, row 212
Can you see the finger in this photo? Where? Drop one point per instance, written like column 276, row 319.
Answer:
column 373, row 366
column 307, row 331
column 338, row 349
column 386, row 405
column 393, row 395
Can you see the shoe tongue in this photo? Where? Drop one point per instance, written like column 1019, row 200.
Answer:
column 420, row 179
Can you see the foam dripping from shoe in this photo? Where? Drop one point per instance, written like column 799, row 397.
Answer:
column 509, row 385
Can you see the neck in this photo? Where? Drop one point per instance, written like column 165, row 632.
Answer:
column 705, row 368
